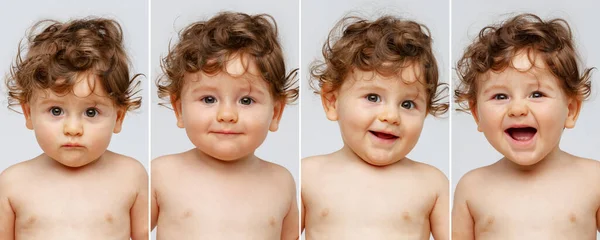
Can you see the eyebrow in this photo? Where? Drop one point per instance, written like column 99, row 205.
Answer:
column 411, row 92
column 96, row 102
column 206, row 87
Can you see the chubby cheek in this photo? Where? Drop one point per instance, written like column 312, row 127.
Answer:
column 47, row 133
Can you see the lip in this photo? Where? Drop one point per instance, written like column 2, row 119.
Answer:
column 226, row 132
column 72, row 145
column 384, row 140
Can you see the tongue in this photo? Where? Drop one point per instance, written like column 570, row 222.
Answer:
column 384, row 135
column 522, row 135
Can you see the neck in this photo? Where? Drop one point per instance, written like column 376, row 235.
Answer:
column 247, row 162
column 556, row 156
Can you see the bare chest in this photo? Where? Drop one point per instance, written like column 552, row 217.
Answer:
column 207, row 207
column 535, row 212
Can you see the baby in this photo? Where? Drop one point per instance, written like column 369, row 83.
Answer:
column 379, row 80
column 226, row 81
column 74, row 89
column 521, row 82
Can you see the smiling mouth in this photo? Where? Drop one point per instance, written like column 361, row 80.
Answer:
column 521, row 134
column 383, row 135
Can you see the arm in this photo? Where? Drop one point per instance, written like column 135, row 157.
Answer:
column 303, row 212
column 598, row 219
column 154, row 209
column 139, row 210
column 462, row 220
column 7, row 214
column 289, row 228
column 439, row 218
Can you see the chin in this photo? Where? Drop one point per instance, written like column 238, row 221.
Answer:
column 525, row 160
column 380, row 161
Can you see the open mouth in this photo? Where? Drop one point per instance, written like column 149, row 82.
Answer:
column 383, row 135
column 521, row 134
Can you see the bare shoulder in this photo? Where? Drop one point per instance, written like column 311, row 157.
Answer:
column 125, row 168
column 589, row 166
column 431, row 173
column 280, row 174
column 14, row 178
column 312, row 165
column 472, row 180
column 21, row 170
column 124, row 162
column 168, row 163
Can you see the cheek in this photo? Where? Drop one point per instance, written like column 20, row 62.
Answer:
column 195, row 116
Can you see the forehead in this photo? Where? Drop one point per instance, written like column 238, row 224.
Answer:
column 85, row 86
column 409, row 78
column 525, row 68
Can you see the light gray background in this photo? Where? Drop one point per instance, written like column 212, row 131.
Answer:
column 170, row 16
column 321, row 136
column 470, row 149
column 17, row 143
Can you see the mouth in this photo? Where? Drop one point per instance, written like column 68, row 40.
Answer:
column 382, row 135
column 521, row 134
column 72, row 145
column 226, row 132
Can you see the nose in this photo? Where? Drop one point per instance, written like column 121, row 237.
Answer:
column 518, row 109
column 390, row 115
column 73, row 126
column 227, row 113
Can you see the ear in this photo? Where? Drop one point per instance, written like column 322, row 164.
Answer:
column 176, row 103
column 277, row 112
column 475, row 113
column 119, row 122
column 573, row 112
column 329, row 101
column 27, row 113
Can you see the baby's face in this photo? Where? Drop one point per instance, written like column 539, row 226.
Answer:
column 73, row 129
column 380, row 118
column 227, row 115
column 522, row 111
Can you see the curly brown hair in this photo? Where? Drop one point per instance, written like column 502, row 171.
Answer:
column 386, row 46
column 498, row 44
column 58, row 54
column 207, row 45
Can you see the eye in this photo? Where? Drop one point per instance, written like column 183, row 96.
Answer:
column 537, row 94
column 408, row 104
column 91, row 112
column 246, row 101
column 56, row 111
column 500, row 96
column 209, row 100
column 373, row 98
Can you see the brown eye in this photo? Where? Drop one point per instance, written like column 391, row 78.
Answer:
column 500, row 96
column 246, row 101
column 536, row 94
column 373, row 98
column 91, row 112
column 408, row 104
column 209, row 100
column 56, row 111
